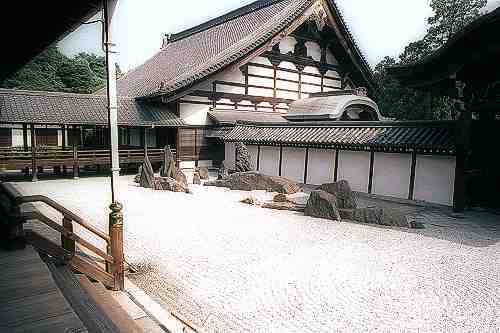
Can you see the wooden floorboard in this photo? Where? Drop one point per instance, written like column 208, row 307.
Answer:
column 29, row 298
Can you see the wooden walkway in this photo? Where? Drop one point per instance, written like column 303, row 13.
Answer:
column 30, row 300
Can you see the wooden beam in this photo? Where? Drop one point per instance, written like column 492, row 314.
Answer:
column 63, row 134
column 25, row 137
column 411, row 188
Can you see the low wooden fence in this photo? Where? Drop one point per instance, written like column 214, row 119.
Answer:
column 111, row 276
column 11, row 159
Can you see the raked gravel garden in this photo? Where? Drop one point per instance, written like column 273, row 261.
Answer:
column 230, row 267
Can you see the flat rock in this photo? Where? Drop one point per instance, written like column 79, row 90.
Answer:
column 249, row 181
column 283, row 206
column 322, row 204
column 342, row 190
column 203, row 172
column 380, row 216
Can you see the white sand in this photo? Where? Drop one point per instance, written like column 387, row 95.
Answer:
column 231, row 267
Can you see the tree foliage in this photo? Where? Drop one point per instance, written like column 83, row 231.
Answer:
column 402, row 103
column 53, row 71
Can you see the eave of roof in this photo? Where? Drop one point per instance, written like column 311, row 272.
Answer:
column 402, row 137
column 41, row 107
column 231, row 117
column 430, row 72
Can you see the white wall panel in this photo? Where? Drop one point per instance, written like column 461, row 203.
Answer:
column 194, row 114
column 354, row 167
column 292, row 165
column 229, row 155
column 287, row 44
column 269, row 160
column 391, row 174
column 434, row 179
column 17, row 138
column 321, row 165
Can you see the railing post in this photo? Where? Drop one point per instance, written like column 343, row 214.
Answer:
column 75, row 162
column 67, row 243
column 116, row 236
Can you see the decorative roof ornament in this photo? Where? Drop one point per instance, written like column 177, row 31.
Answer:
column 166, row 40
column 361, row 91
column 319, row 15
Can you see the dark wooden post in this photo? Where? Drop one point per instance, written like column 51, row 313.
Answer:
column 116, row 244
column 25, row 137
column 411, row 188
column 63, row 131
column 462, row 137
column 336, row 166
column 196, row 152
column 75, row 162
column 34, row 167
column 281, row 161
column 67, row 243
column 258, row 158
column 370, row 175
column 306, row 163
column 178, row 149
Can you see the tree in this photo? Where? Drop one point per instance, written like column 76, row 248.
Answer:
column 450, row 16
column 53, row 71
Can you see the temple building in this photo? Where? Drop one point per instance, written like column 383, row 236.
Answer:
column 283, row 76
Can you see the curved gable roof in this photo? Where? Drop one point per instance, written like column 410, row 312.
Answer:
column 196, row 53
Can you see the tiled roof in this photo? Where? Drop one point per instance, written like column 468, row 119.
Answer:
column 431, row 137
column 204, row 52
column 20, row 106
column 228, row 117
column 219, row 132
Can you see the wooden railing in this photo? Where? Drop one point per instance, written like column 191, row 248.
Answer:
column 111, row 275
column 13, row 159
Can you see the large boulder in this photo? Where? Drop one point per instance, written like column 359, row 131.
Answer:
column 249, row 181
column 202, row 172
column 283, row 206
column 168, row 169
column 147, row 175
column 169, row 184
column 242, row 160
column 322, row 204
column 180, row 177
column 380, row 216
column 223, row 171
column 196, row 179
column 346, row 198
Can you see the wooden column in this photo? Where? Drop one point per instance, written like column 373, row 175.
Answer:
column 196, row 154
column 281, row 160
column 75, row 162
column 411, row 188
column 25, row 137
column 275, row 85
column 178, row 148
column 370, row 176
column 142, row 137
column 34, row 167
column 258, row 158
column 63, row 131
column 306, row 162
column 462, row 137
column 214, row 97
column 336, row 166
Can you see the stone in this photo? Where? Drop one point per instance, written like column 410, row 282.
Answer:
column 180, row 177
column 196, row 179
column 283, row 206
column 147, row 175
column 249, row 201
column 223, row 171
column 280, row 197
column 322, row 204
column 253, row 180
column 242, row 160
column 346, row 199
column 137, row 178
column 380, row 216
column 169, row 184
column 168, row 169
column 203, row 172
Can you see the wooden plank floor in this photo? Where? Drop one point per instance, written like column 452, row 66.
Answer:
column 30, row 301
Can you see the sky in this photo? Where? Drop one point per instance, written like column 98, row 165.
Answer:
column 381, row 28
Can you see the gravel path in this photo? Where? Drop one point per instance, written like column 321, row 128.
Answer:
column 229, row 267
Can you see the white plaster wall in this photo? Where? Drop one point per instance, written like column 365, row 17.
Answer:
column 313, row 50
column 321, row 166
column 194, row 114
column 229, row 154
column 59, row 137
column 287, row 44
column 269, row 160
column 434, row 179
column 354, row 167
column 253, row 151
column 293, row 163
column 391, row 174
